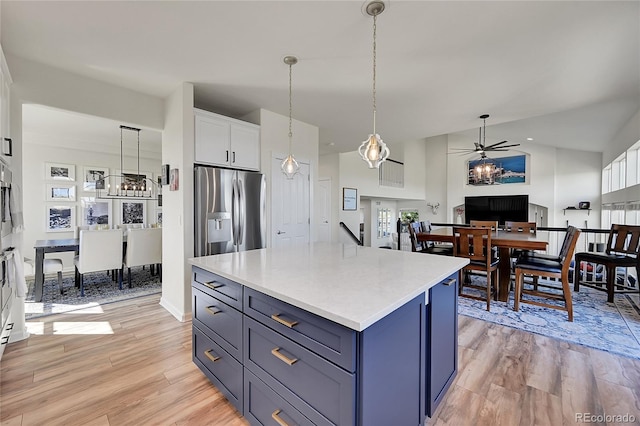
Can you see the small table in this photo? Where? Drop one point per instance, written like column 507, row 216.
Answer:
column 50, row 246
column 505, row 241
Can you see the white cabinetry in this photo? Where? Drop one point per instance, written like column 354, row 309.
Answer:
column 226, row 142
column 5, row 84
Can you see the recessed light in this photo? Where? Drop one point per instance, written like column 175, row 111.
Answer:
column 529, row 139
column 331, row 143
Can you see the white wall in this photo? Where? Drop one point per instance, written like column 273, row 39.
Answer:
column 555, row 179
column 626, row 136
column 329, row 167
column 274, row 141
column 578, row 178
column 37, row 152
column 177, row 229
column 41, row 84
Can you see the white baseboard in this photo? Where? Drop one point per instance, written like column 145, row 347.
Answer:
column 177, row 313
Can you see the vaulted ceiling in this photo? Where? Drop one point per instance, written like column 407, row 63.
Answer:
column 563, row 73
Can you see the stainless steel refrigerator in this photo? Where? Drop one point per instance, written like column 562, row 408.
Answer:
column 230, row 210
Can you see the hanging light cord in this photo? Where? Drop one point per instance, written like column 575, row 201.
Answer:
column 375, row 17
column 290, row 110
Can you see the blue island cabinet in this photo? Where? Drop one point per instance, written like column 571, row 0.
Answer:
column 296, row 367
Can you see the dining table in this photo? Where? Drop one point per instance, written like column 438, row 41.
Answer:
column 54, row 246
column 50, row 246
column 505, row 241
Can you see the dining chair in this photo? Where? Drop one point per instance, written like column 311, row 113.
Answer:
column 144, row 247
column 98, row 251
column 426, row 247
column 491, row 224
column 475, row 245
column 49, row 266
column 524, row 227
column 548, row 267
column 623, row 247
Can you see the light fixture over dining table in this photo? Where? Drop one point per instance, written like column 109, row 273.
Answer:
column 373, row 150
column 127, row 186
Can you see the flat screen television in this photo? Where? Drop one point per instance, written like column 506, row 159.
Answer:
column 497, row 207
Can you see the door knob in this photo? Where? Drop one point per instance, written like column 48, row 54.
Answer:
column 280, row 232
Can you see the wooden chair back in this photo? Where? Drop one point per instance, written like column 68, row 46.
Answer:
column 491, row 224
column 413, row 228
column 473, row 243
column 425, row 225
column 530, row 227
column 624, row 240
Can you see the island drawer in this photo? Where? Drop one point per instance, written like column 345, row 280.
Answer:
column 322, row 336
column 320, row 390
column 214, row 316
column 264, row 407
column 224, row 371
column 219, row 287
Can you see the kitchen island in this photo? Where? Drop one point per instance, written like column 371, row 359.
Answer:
column 327, row 334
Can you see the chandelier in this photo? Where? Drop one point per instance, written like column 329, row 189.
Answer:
column 127, row 185
column 373, row 150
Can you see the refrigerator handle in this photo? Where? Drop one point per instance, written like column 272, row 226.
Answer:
column 234, row 211
column 241, row 212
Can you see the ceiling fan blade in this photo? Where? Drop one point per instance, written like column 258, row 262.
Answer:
column 498, row 150
column 495, row 144
column 510, row 146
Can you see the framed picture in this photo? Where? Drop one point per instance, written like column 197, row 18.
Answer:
column 349, row 199
column 138, row 180
column 60, row 192
column 174, row 180
column 54, row 171
column 95, row 212
column 492, row 171
column 159, row 217
column 94, row 178
column 132, row 212
column 164, row 175
column 60, row 218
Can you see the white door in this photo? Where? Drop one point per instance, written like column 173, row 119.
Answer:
column 324, row 209
column 290, row 203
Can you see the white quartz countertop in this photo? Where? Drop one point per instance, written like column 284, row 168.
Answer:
column 352, row 285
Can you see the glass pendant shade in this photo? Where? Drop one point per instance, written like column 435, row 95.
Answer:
column 290, row 167
column 374, row 151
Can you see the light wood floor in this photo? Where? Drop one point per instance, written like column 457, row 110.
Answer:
column 139, row 372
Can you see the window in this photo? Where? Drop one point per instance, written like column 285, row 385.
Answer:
column 384, row 223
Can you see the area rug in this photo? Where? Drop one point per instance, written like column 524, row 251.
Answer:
column 612, row 327
column 98, row 290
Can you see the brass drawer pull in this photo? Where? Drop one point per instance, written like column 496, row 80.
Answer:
column 211, row 311
column 449, row 282
column 289, row 324
column 211, row 357
column 212, row 285
column 277, row 418
column 276, row 352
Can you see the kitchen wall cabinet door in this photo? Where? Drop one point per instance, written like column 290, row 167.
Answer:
column 226, row 142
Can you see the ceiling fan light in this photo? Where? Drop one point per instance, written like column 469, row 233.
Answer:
column 290, row 167
column 374, row 151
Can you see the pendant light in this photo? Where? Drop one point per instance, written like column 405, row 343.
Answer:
column 290, row 166
column 128, row 186
column 374, row 151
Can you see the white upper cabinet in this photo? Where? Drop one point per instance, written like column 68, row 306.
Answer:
column 226, row 142
column 5, row 88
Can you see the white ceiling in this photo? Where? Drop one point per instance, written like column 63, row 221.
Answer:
column 564, row 73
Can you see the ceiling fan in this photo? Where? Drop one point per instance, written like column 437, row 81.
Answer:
column 481, row 147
